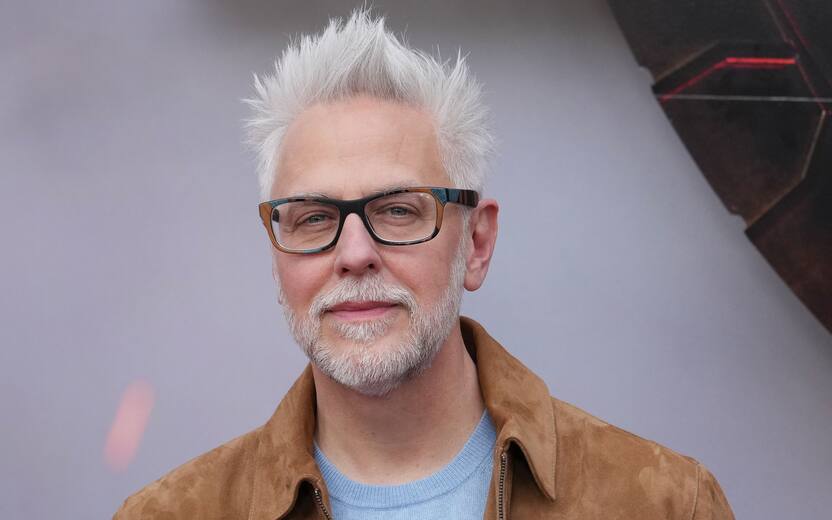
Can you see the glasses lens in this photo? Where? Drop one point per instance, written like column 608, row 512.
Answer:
column 402, row 217
column 304, row 225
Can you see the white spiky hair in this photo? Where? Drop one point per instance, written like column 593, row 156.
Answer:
column 362, row 57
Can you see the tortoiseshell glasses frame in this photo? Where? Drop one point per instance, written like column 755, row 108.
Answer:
column 269, row 214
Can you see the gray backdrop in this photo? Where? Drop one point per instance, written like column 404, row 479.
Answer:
column 132, row 249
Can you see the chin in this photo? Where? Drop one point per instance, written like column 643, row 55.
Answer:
column 367, row 332
column 375, row 367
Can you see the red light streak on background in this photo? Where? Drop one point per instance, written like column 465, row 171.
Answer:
column 128, row 425
column 730, row 63
column 759, row 63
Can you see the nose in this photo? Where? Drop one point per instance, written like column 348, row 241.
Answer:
column 356, row 253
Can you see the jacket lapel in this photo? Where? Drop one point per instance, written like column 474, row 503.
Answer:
column 284, row 456
column 519, row 404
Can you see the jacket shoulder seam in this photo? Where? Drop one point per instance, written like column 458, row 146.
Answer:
column 685, row 463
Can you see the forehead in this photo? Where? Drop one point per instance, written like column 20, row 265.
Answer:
column 357, row 146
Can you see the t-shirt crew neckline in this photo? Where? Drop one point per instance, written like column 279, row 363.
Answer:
column 475, row 452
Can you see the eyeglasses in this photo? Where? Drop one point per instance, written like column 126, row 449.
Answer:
column 396, row 218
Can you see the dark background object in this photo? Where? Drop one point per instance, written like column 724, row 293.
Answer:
column 747, row 84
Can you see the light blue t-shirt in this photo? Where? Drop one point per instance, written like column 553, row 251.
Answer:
column 459, row 490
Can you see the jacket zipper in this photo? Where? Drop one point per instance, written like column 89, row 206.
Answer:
column 321, row 506
column 501, row 491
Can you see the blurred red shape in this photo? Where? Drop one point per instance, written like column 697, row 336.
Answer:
column 128, row 425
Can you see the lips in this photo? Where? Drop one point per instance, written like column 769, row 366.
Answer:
column 356, row 310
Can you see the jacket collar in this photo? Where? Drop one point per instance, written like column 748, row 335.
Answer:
column 517, row 400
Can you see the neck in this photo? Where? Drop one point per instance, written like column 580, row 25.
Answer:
column 408, row 434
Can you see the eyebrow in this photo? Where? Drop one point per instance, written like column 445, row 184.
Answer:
column 309, row 194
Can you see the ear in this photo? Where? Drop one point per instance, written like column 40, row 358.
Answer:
column 482, row 231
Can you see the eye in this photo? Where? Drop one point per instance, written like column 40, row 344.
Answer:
column 399, row 211
column 317, row 218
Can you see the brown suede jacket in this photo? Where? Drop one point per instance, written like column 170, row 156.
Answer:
column 552, row 460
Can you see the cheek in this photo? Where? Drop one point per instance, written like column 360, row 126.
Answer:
column 424, row 270
column 301, row 278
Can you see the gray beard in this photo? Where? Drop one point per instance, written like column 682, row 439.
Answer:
column 371, row 365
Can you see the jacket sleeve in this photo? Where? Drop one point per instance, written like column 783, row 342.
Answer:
column 711, row 503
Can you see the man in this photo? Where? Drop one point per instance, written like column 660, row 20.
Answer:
column 372, row 159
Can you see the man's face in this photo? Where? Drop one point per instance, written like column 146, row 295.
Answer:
column 367, row 314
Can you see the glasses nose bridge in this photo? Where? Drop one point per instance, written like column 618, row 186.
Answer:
column 357, row 206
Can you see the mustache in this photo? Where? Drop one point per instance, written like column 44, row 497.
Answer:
column 366, row 288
